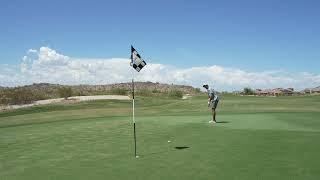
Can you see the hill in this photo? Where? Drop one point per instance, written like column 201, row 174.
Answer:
column 40, row 91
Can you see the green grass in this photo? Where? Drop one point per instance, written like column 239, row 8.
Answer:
column 259, row 138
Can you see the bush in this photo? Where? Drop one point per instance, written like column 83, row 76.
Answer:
column 39, row 95
column 119, row 91
column 155, row 90
column 197, row 90
column 175, row 93
column 5, row 97
column 65, row 92
column 21, row 96
column 144, row 92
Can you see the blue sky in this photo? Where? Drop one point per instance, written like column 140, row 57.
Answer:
column 251, row 35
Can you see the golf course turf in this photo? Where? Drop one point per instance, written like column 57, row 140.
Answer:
column 256, row 138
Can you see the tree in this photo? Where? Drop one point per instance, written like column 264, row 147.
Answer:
column 248, row 91
column 65, row 92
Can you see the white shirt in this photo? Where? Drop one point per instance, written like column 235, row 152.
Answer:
column 212, row 94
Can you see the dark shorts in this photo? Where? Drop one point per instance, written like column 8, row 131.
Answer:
column 214, row 104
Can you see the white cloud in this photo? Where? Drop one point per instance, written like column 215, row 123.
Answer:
column 31, row 51
column 47, row 65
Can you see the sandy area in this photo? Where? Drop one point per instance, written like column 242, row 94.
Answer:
column 187, row 96
column 70, row 99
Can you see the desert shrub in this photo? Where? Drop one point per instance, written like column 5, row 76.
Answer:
column 39, row 95
column 4, row 97
column 155, row 90
column 144, row 92
column 20, row 96
column 175, row 93
column 65, row 92
column 119, row 91
column 197, row 90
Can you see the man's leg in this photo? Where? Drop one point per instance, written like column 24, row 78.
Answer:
column 214, row 115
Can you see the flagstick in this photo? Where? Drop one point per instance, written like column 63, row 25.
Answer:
column 134, row 122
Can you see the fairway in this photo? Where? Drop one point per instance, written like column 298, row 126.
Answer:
column 256, row 138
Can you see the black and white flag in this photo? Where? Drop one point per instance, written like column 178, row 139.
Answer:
column 136, row 61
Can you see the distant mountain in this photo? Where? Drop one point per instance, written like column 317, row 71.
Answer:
column 139, row 86
column 92, row 89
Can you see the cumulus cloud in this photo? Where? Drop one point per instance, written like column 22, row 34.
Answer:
column 47, row 65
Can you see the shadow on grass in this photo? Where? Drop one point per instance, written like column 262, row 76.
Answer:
column 223, row 122
column 164, row 151
column 181, row 147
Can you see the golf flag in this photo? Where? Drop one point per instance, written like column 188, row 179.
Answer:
column 136, row 61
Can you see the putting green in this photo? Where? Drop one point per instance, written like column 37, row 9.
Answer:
column 258, row 138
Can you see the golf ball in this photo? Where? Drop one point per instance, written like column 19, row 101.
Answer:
column 169, row 141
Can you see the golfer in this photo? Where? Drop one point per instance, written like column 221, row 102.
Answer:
column 212, row 102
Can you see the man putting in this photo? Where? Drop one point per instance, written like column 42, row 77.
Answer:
column 212, row 102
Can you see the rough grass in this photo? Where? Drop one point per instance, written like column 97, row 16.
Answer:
column 257, row 138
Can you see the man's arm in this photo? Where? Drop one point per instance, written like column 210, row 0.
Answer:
column 211, row 96
column 209, row 99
